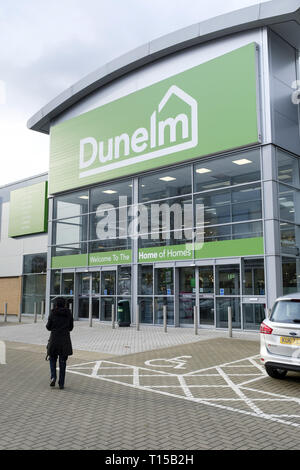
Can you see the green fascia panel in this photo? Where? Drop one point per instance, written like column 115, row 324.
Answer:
column 70, row 261
column 28, row 210
column 110, row 257
column 204, row 110
column 225, row 248
column 166, row 253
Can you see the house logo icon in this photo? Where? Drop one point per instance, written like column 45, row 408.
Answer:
column 145, row 143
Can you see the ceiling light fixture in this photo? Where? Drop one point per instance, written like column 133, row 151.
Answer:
column 242, row 161
column 167, row 178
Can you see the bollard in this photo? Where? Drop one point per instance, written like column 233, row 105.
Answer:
column 113, row 316
column 5, row 312
column 34, row 312
column 229, row 322
column 90, row 314
column 165, row 318
column 43, row 309
column 195, row 320
column 268, row 313
column 20, row 313
column 137, row 317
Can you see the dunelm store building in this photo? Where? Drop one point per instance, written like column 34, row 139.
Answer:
column 174, row 175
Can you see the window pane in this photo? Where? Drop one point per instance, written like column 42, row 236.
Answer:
column 173, row 214
column 288, row 168
column 187, row 283
column 164, row 284
column 110, row 223
column 71, row 230
column 71, row 205
column 289, row 234
column 207, row 312
column 227, row 171
column 228, row 279
column 206, row 279
column 159, row 303
column 65, row 250
column 145, row 280
column 36, row 263
column 108, row 283
column 67, row 284
column 114, row 194
column 254, row 314
column 112, row 244
column 290, row 275
column 253, row 277
column 288, row 203
column 146, row 309
column 222, row 312
column 124, row 280
column 55, row 282
column 167, row 183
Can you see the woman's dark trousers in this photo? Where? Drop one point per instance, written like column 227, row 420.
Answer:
column 62, row 368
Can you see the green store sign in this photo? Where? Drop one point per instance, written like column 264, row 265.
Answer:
column 188, row 251
column 207, row 109
column 28, row 210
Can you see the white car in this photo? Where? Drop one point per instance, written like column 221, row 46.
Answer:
column 280, row 337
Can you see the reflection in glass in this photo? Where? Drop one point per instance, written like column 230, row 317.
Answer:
column 108, row 284
column 84, row 283
column 68, row 231
column 83, row 307
column 124, row 280
column 71, row 205
column 146, row 309
column 67, row 284
column 36, row 263
column 290, row 275
column 106, row 308
column 228, row 279
column 95, row 283
column 145, row 280
column 288, row 168
column 55, row 282
column 234, row 169
column 187, row 283
column 113, row 194
column 222, row 312
column 206, row 279
column 164, row 284
column 165, row 184
column 253, row 315
column 253, row 277
column 159, row 303
column 207, row 312
column 186, row 309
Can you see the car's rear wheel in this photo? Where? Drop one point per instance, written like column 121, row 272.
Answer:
column 275, row 373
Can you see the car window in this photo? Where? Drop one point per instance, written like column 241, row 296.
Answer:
column 286, row 311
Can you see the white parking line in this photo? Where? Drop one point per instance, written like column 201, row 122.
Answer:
column 190, row 384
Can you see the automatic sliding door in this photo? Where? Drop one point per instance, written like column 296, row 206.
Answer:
column 108, row 295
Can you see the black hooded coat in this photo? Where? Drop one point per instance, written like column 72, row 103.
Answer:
column 60, row 323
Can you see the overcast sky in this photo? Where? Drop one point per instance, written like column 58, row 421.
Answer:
column 47, row 46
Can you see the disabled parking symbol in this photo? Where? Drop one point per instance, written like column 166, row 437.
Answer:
column 174, row 362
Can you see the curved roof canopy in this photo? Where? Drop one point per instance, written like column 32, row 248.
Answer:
column 282, row 16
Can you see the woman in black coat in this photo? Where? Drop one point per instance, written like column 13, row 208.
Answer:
column 60, row 323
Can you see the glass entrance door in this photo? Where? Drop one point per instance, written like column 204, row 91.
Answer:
column 88, row 294
column 108, row 295
column 206, row 295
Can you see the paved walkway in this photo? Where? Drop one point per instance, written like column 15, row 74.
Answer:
column 121, row 340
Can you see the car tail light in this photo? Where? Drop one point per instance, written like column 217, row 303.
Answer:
column 265, row 329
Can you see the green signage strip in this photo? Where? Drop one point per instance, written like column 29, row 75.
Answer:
column 70, row 261
column 221, row 249
column 28, row 210
column 110, row 257
column 207, row 109
column 166, row 253
column 93, row 259
column 225, row 248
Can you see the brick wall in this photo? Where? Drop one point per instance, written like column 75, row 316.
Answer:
column 10, row 292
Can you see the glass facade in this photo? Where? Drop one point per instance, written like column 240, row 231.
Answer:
column 288, row 177
column 218, row 200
